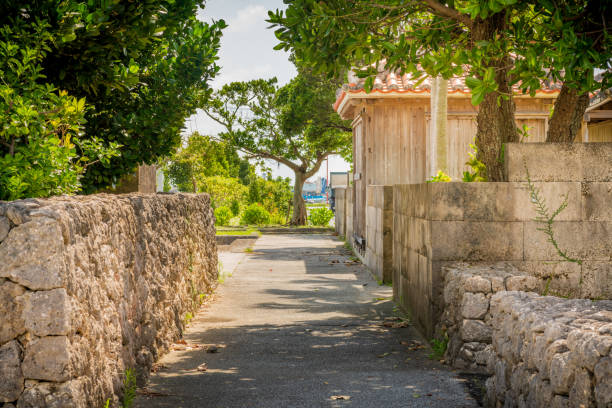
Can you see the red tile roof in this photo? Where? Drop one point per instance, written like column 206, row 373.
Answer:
column 390, row 82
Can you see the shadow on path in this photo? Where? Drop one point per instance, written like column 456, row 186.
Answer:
column 300, row 325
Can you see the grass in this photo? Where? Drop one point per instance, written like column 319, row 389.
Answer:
column 129, row 390
column 438, row 348
column 248, row 250
column 239, row 232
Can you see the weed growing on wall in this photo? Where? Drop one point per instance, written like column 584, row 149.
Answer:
column 438, row 348
column 546, row 218
column 440, row 177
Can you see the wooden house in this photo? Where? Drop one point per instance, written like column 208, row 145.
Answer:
column 393, row 142
column 597, row 123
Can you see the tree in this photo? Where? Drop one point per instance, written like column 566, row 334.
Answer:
column 492, row 43
column 142, row 67
column 203, row 157
column 42, row 149
column 286, row 125
column 564, row 41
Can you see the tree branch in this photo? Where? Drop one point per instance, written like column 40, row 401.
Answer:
column 445, row 11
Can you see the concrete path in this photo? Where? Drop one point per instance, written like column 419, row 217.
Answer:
column 299, row 324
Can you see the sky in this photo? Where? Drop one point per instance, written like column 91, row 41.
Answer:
column 247, row 53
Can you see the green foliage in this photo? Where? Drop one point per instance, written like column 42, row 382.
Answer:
column 546, row 218
column 320, row 216
column 188, row 318
column 223, row 190
column 42, row 149
column 294, row 125
column 563, row 41
column 275, row 196
column 142, row 67
column 223, row 215
column 438, row 348
column 255, row 214
column 202, row 157
column 129, row 388
column 479, row 170
column 440, row 177
column 235, row 207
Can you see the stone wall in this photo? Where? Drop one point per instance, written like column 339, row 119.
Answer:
column 340, row 215
column 438, row 224
column 93, row 285
column 584, row 162
column 550, row 352
column 467, row 319
column 379, row 231
column 349, row 213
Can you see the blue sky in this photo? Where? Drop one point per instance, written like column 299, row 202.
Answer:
column 247, row 53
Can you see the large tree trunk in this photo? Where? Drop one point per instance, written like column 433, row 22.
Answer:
column 567, row 116
column 495, row 120
column 299, row 205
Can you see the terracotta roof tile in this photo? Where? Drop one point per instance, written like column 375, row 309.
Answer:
column 387, row 81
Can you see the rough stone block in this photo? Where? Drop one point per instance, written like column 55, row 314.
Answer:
column 5, row 227
column 48, row 313
column 581, row 392
column 561, row 373
column 560, row 401
column 474, row 306
column 523, row 283
column 477, row 284
column 476, row 330
column 603, row 382
column 476, row 241
column 11, row 377
column 11, row 307
column 33, row 263
column 48, row 358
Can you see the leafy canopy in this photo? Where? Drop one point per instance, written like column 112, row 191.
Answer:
column 560, row 41
column 142, row 67
column 42, row 148
column 286, row 124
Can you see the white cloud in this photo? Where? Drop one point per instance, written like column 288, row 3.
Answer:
column 247, row 18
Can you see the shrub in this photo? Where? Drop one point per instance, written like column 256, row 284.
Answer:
column 223, row 215
column 320, row 216
column 235, row 207
column 255, row 214
column 439, row 177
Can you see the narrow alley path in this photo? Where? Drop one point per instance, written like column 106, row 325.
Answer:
column 298, row 324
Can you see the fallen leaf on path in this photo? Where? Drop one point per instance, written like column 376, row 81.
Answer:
column 157, row 366
column 340, row 397
column 383, row 355
column 181, row 341
column 202, row 367
column 148, row 393
column 400, row 325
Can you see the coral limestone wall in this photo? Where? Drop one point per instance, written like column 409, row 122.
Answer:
column 93, row 285
column 550, row 352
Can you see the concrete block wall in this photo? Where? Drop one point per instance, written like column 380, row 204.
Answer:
column 341, row 208
column 93, row 285
column 349, row 213
column 379, row 231
column 440, row 223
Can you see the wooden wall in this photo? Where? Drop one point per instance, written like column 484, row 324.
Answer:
column 600, row 132
column 395, row 141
